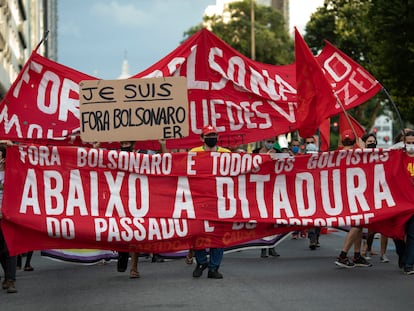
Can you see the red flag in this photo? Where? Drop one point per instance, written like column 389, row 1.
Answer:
column 42, row 103
column 314, row 93
column 325, row 133
column 353, row 85
column 352, row 125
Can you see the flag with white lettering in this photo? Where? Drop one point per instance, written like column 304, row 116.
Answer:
column 43, row 103
column 245, row 100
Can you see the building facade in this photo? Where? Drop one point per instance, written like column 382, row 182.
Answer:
column 23, row 24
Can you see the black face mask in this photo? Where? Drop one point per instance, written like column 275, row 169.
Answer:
column 129, row 149
column 210, row 141
column 372, row 145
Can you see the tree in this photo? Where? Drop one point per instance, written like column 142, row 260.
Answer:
column 392, row 41
column 378, row 34
column 273, row 43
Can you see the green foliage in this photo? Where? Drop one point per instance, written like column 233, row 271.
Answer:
column 273, row 44
column 378, row 34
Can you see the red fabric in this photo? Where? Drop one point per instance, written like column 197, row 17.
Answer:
column 42, row 103
column 353, row 85
column 315, row 96
column 66, row 197
column 345, row 125
column 325, row 134
column 246, row 101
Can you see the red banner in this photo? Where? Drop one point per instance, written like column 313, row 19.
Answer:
column 246, row 101
column 65, row 197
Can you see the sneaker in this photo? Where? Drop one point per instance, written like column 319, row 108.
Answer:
column 408, row 270
column 11, row 289
column 5, row 284
column 214, row 274
column 198, row 271
column 368, row 255
column 312, row 246
column 122, row 263
column 344, row 262
column 272, row 252
column 384, row 258
column 361, row 262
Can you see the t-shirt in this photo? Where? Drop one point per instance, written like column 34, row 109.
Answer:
column 409, row 164
column 201, row 148
column 1, row 190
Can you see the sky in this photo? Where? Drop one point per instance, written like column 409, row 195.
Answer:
column 95, row 36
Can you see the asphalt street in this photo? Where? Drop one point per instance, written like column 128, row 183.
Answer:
column 300, row 279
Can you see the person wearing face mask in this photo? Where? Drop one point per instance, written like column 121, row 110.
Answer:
column 370, row 141
column 295, row 147
column 122, row 263
column 268, row 147
column 354, row 236
column 405, row 248
column 209, row 137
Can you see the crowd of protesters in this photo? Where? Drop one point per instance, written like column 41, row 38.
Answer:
column 211, row 259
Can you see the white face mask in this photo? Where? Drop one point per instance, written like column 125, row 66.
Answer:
column 409, row 148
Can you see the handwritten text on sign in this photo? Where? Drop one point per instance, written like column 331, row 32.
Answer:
column 133, row 109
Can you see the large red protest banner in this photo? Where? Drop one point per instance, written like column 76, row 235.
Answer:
column 246, row 101
column 66, row 197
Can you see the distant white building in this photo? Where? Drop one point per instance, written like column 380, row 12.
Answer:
column 23, row 24
column 125, row 69
column 383, row 129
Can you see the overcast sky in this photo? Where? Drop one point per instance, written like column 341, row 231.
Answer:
column 95, row 35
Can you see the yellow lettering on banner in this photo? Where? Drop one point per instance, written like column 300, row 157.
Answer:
column 410, row 168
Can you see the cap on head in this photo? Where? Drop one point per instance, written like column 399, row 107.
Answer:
column 209, row 129
column 348, row 135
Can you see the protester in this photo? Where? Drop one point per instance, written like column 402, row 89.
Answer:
column 7, row 262
column 354, row 236
column 295, row 146
column 209, row 138
column 405, row 248
column 315, row 232
column 267, row 148
column 27, row 264
column 370, row 141
column 123, row 257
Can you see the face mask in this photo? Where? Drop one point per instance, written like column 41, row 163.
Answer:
column 210, row 141
column 310, row 147
column 295, row 149
column 129, row 149
column 372, row 145
column 268, row 146
column 409, row 148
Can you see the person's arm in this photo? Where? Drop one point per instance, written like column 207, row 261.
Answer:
column 163, row 145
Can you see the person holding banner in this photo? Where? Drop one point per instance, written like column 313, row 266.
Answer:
column 267, row 148
column 354, row 236
column 8, row 262
column 370, row 141
column 405, row 248
column 209, row 138
column 123, row 257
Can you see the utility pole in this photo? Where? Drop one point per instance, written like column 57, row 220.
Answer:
column 252, row 35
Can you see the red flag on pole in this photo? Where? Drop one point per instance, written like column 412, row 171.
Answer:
column 352, row 125
column 314, row 93
column 325, row 134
